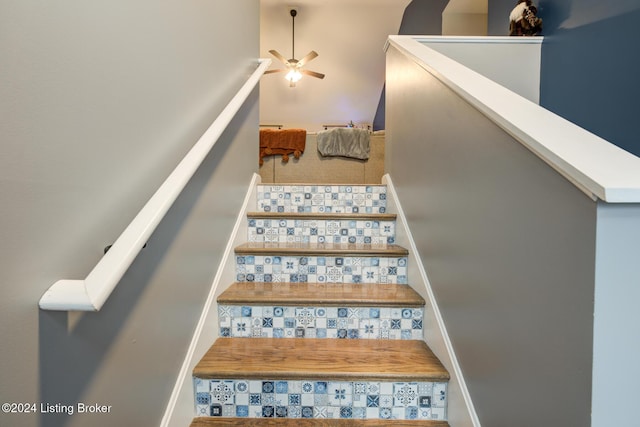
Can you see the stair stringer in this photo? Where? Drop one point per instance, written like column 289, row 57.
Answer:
column 179, row 410
column 461, row 411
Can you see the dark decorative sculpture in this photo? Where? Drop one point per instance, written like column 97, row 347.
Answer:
column 523, row 20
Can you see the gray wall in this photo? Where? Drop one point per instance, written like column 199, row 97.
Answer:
column 508, row 246
column 98, row 104
column 590, row 59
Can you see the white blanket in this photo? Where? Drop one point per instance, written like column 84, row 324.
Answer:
column 344, row 142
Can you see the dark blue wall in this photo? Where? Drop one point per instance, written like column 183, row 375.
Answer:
column 498, row 20
column 590, row 64
column 423, row 17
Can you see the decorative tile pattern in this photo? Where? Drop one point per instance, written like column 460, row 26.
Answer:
column 314, row 398
column 321, row 231
column 323, row 198
column 321, row 399
column 321, row 322
column 309, row 269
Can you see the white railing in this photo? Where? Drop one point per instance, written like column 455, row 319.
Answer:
column 92, row 292
column 597, row 167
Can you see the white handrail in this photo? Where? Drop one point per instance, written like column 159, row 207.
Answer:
column 597, row 167
column 92, row 292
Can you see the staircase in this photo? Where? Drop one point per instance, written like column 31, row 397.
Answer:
column 321, row 327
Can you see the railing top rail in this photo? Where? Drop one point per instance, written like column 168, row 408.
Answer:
column 91, row 293
column 479, row 39
column 596, row 166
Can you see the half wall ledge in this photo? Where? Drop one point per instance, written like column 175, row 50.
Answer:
column 597, row 167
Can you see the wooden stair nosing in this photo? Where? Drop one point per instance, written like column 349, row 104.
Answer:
column 311, row 422
column 312, row 358
column 321, row 294
column 322, row 215
column 322, row 249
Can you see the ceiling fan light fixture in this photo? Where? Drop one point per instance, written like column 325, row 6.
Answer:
column 293, row 76
column 294, row 67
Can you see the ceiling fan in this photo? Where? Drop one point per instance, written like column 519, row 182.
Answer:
column 294, row 66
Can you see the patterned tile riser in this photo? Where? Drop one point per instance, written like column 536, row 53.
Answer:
column 321, row 231
column 321, row 322
column 321, row 399
column 321, row 269
column 333, row 198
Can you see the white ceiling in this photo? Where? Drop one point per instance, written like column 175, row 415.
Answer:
column 349, row 37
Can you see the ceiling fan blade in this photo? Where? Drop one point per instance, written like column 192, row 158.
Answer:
column 279, row 56
column 274, row 71
column 312, row 74
column 307, row 58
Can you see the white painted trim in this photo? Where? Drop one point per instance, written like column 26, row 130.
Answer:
column 453, row 365
column 468, row 39
column 228, row 258
column 479, row 39
column 597, row 167
column 92, row 292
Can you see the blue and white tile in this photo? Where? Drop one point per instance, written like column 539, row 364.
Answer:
column 321, row 269
column 318, row 231
column 321, row 399
column 321, row 322
column 319, row 198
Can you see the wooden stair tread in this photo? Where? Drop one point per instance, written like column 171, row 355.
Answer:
column 311, row 422
column 321, row 294
column 330, row 359
column 322, row 215
column 322, row 249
